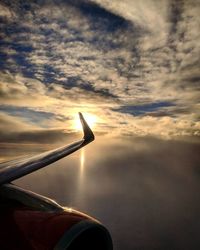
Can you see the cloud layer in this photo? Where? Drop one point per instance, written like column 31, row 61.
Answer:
column 133, row 64
column 114, row 59
column 145, row 190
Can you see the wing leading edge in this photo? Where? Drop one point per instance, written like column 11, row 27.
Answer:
column 15, row 170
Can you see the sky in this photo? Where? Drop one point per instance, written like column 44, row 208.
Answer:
column 131, row 66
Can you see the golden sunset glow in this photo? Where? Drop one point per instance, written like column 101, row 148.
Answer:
column 90, row 118
column 131, row 68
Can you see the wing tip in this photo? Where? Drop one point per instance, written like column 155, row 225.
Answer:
column 88, row 134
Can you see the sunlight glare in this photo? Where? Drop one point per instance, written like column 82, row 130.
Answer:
column 90, row 119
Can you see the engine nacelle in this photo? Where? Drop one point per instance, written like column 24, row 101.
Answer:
column 31, row 221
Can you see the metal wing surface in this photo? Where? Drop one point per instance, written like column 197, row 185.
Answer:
column 13, row 170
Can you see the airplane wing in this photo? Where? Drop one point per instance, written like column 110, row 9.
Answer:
column 16, row 169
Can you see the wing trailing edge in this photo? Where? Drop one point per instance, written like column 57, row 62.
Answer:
column 16, row 169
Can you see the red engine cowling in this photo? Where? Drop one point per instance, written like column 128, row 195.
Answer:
column 25, row 229
column 33, row 222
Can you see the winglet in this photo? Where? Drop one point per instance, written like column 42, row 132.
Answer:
column 88, row 134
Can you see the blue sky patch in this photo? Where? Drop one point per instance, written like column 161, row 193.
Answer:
column 32, row 116
column 138, row 110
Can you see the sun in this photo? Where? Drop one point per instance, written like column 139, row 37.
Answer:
column 90, row 119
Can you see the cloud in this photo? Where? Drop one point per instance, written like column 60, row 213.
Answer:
column 133, row 64
column 101, row 56
column 18, row 131
column 5, row 12
column 8, row 124
column 149, row 196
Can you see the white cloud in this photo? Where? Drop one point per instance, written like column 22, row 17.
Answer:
column 6, row 12
column 148, row 64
